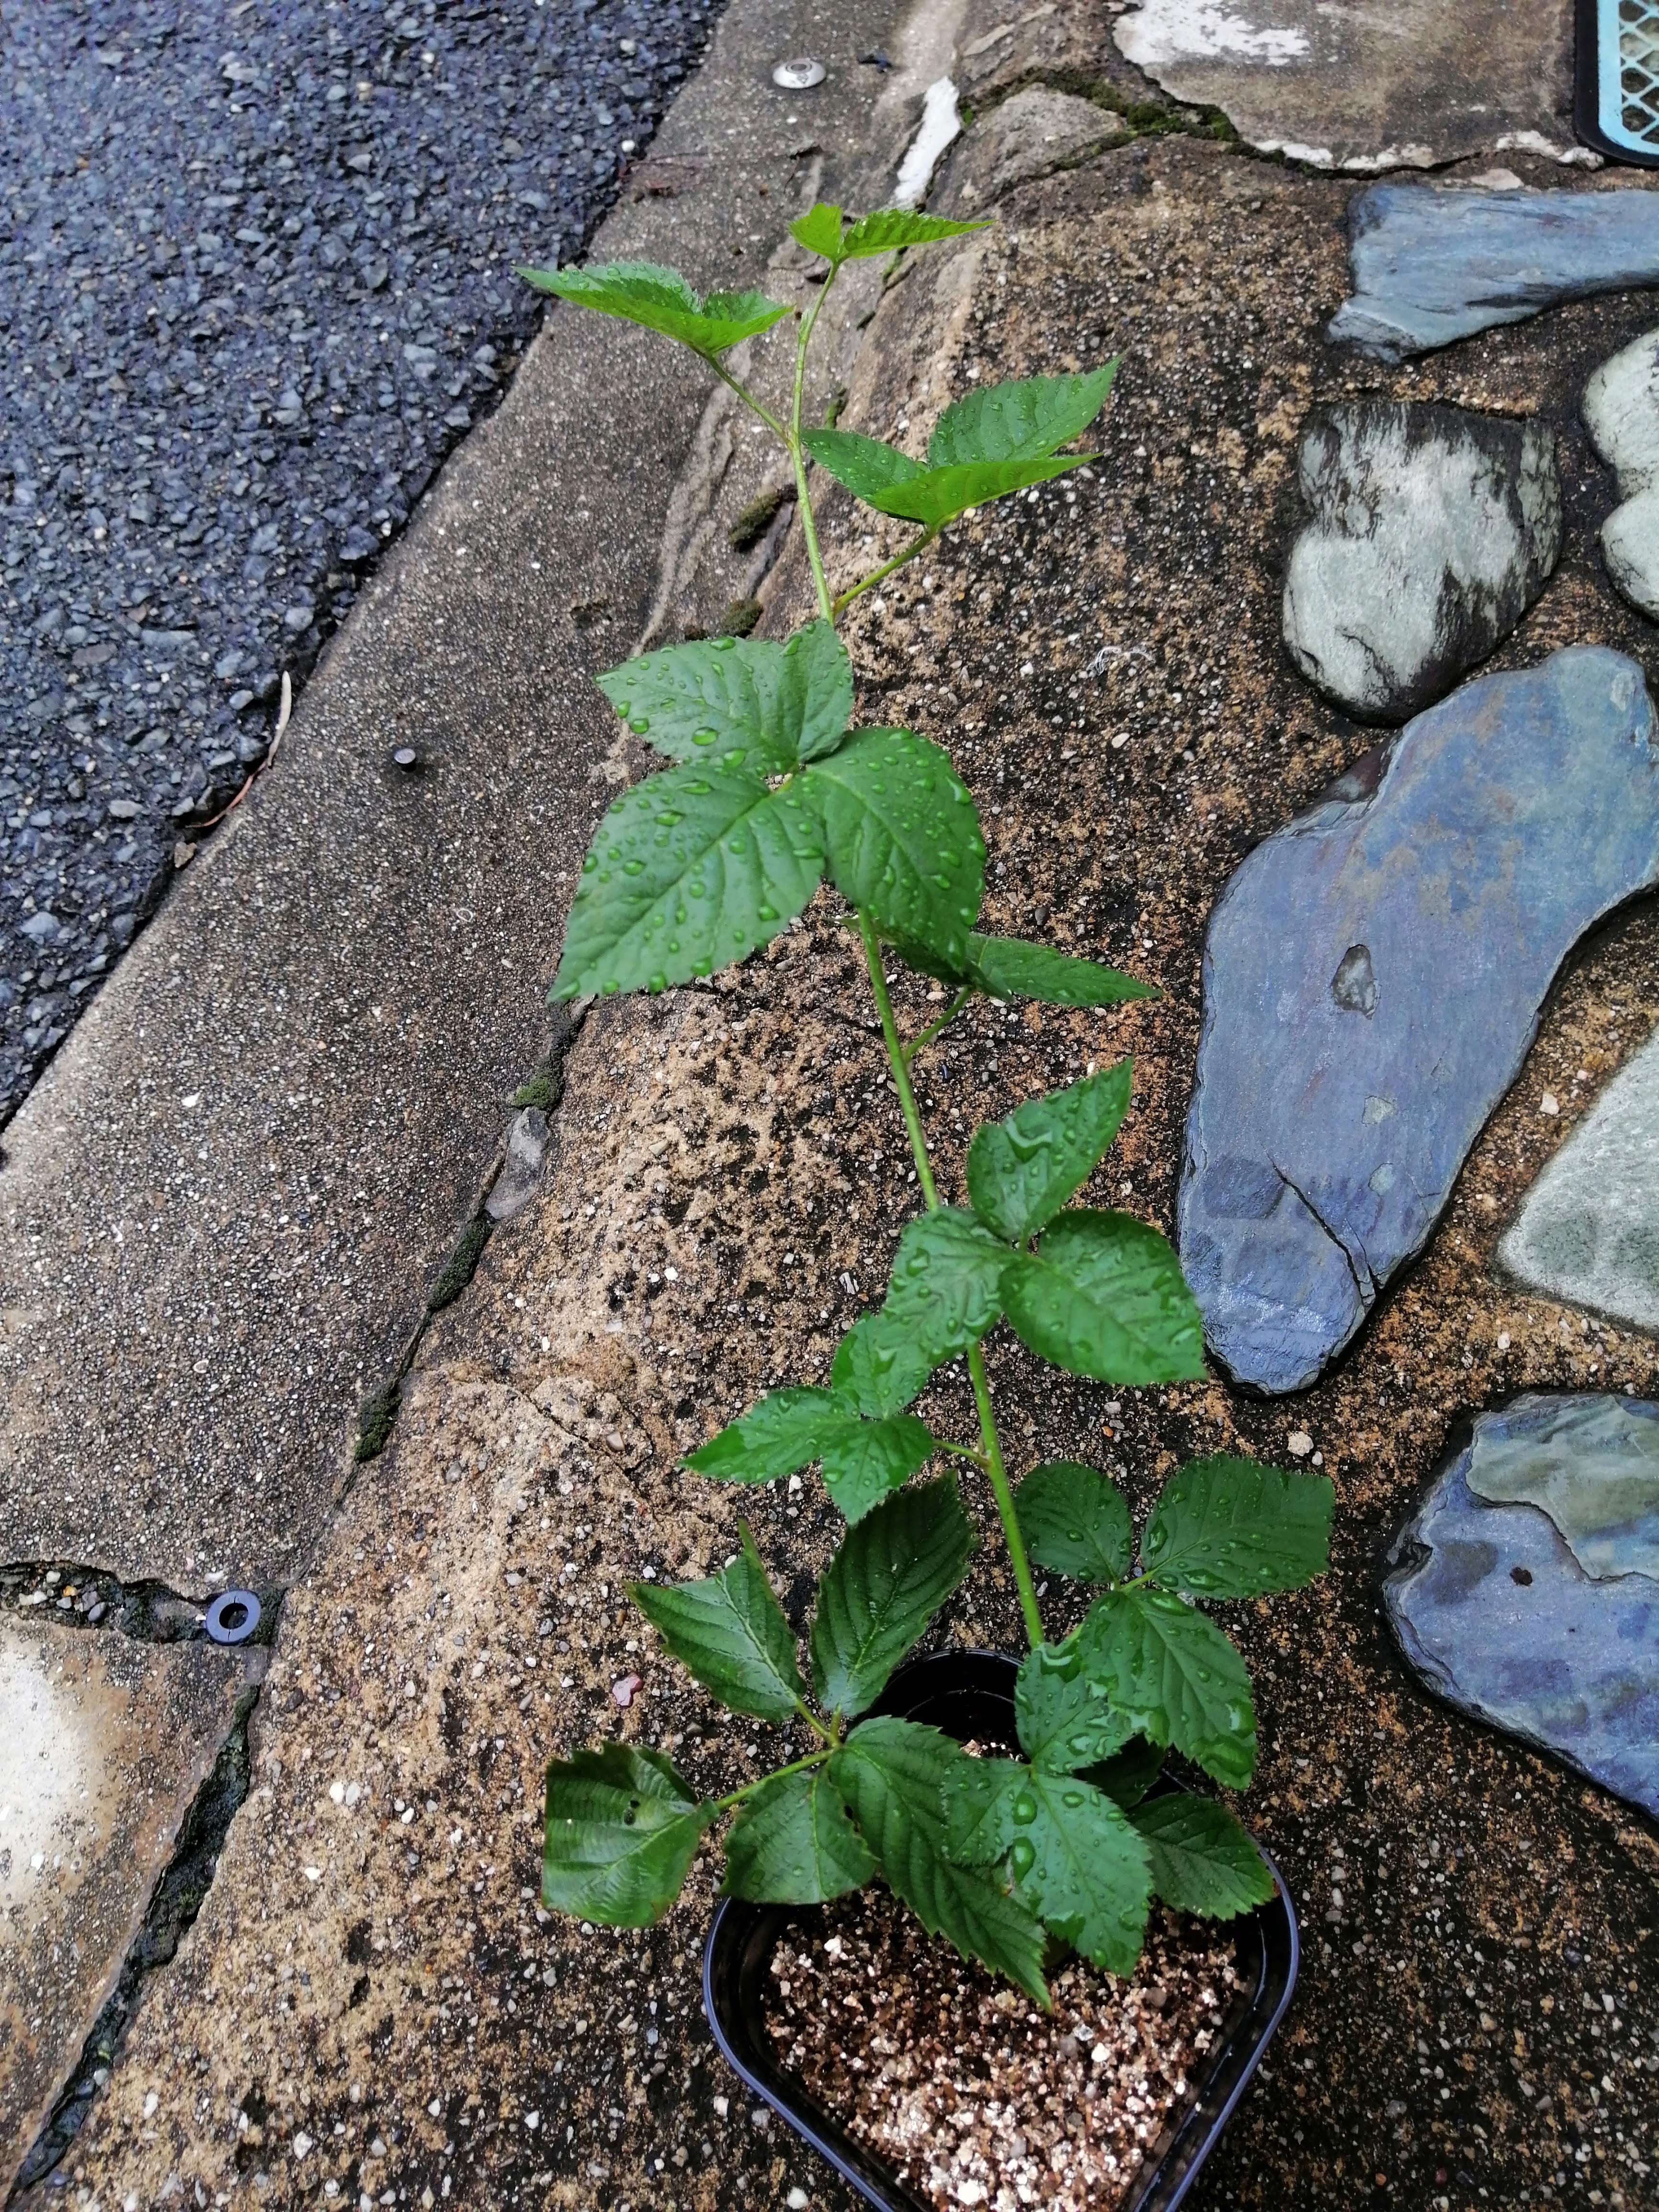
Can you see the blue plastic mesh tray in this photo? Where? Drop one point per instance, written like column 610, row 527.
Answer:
column 1617, row 99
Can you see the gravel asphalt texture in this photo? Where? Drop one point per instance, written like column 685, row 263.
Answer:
column 256, row 265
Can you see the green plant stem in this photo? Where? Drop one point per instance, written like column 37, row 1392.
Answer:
column 798, row 454
column 749, row 400
column 991, row 1445
column 943, row 1023
column 887, row 568
column 795, row 1766
column 896, row 1059
column 961, row 1451
column 813, row 1722
column 1005, row 1497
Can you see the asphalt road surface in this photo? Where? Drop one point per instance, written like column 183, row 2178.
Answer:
column 256, row 269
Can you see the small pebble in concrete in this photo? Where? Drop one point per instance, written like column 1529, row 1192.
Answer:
column 1621, row 413
column 1432, row 531
column 521, row 1172
column 1527, row 1589
column 1323, row 1139
column 1589, row 1230
column 1430, row 265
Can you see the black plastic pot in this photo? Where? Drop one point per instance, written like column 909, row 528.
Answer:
column 970, row 1695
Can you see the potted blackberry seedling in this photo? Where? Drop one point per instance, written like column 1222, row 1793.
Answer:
column 1014, row 1807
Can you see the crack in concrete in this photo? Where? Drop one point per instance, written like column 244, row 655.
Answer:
column 71, row 1594
column 175, row 1902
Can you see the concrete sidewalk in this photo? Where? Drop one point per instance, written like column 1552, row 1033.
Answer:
column 291, row 1097
column 223, row 1209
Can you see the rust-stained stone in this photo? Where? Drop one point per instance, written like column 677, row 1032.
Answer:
column 1105, row 662
column 103, row 1744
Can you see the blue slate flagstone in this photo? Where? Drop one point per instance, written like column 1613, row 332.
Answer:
column 1525, row 1591
column 1430, row 265
column 1372, row 980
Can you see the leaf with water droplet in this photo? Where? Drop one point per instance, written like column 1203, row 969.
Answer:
column 1233, row 1527
column 1103, row 1295
column 793, row 1843
column 878, row 1366
column 1021, row 1170
column 621, row 1828
column 1064, row 1720
column 1075, row 1522
column 1203, row 1859
column 730, row 1632
column 777, row 703
column 893, row 1775
column 946, row 1282
column 901, row 836
column 1074, row 1858
column 888, row 1577
column 1175, row 1676
column 748, row 856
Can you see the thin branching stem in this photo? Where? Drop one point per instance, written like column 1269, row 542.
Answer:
column 996, row 1473
column 797, row 454
column 886, row 569
column 943, row 1022
column 749, row 401
column 899, row 1064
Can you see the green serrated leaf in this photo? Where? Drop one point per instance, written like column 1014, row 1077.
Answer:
column 1074, row 1856
column 1128, row 1774
column 1022, row 420
column 878, row 1367
column 731, row 1632
column 1075, row 1522
column 868, row 1459
column 621, row 1828
column 1021, row 1170
column 1009, row 968
column 1175, row 1677
column 783, row 1434
column 1232, row 1528
column 901, row 834
column 889, row 1576
column 1064, row 1720
column 1203, row 1860
column 662, row 301
column 947, row 1277
column 768, row 706
column 862, row 1460
column 793, row 1843
column 819, row 230
column 890, row 229
column 893, row 1774
column 1103, row 1295
column 891, row 481
column 690, row 871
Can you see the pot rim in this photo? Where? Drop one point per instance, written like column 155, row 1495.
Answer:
column 742, row 1937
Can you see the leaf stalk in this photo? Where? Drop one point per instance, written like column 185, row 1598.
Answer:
column 886, row 570
column 795, row 1766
